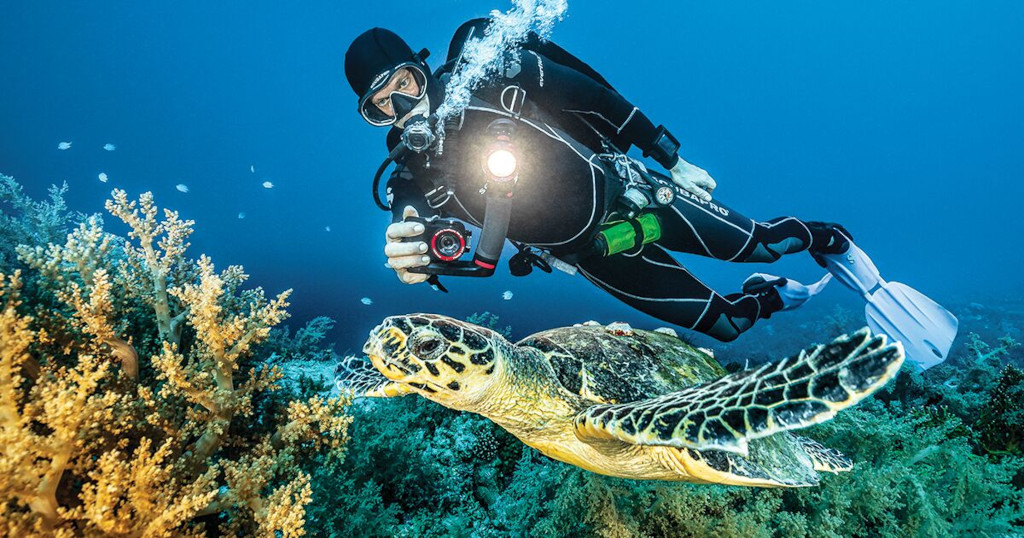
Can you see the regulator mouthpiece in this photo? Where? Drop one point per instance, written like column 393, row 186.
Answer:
column 418, row 134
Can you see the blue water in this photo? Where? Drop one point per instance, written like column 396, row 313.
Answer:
column 901, row 120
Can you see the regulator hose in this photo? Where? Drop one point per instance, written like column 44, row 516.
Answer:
column 395, row 153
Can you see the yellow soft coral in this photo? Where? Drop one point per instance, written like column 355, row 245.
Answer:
column 75, row 270
column 140, row 496
column 285, row 511
column 87, row 451
column 160, row 253
column 318, row 422
column 43, row 427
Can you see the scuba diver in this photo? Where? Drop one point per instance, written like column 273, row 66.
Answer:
column 538, row 157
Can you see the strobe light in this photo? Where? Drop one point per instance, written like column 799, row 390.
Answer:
column 500, row 162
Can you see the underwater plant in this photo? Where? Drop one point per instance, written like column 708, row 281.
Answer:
column 131, row 401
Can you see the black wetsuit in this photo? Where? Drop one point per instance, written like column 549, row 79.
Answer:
column 564, row 194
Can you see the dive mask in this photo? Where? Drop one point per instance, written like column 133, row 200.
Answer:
column 402, row 77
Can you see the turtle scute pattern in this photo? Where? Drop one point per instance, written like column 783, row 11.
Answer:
column 724, row 414
column 616, row 364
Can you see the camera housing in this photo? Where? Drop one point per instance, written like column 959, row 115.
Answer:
column 447, row 240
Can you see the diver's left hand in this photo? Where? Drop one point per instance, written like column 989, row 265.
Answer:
column 694, row 179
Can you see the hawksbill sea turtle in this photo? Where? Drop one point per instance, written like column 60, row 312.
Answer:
column 631, row 403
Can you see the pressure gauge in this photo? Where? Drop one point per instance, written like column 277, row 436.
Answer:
column 664, row 195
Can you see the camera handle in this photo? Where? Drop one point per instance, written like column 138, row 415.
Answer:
column 488, row 249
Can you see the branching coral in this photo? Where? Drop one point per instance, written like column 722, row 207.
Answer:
column 160, row 451
column 47, row 424
column 307, row 344
column 24, row 221
column 76, row 272
column 124, row 488
column 489, row 320
column 225, row 327
column 158, row 258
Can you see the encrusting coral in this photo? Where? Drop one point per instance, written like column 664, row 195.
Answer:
column 131, row 403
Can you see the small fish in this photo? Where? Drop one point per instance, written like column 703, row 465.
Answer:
column 507, row 295
column 64, row 145
column 252, row 168
column 181, row 187
column 103, row 177
column 268, row 185
column 241, row 214
column 366, row 301
column 109, row 147
column 327, row 228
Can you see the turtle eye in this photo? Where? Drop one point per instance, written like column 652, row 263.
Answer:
column 427, row 348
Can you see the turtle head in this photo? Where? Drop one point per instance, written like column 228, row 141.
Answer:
column 443, row 359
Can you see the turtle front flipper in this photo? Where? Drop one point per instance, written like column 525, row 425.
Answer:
column 357, row 377
column 724, row 414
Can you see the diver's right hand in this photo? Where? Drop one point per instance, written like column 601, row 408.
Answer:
column 405, row 254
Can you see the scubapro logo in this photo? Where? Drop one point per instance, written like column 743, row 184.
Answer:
column 379, row 80
column 710, row 205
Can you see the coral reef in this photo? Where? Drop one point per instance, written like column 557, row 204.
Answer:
column 145, row 393
column 307, row 344
column 304, row 358
column 132, row 402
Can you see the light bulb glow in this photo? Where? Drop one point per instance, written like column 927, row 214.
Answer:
column 501, row 163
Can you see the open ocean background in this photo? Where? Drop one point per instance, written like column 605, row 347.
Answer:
column 901, row 120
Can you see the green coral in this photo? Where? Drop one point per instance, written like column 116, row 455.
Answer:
column 916, row 474
column 1001, row 425
column 308, row 343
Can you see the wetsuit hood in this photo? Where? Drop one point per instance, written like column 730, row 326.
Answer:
column 375, row 51
column 374, row 56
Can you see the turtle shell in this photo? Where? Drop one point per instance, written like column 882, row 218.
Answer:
column 611, row 366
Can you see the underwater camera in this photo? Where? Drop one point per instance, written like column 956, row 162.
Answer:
column 447, row 240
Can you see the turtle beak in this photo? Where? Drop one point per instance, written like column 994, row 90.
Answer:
column 379, row 358
column 389, row 370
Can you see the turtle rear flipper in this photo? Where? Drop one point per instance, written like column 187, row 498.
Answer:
column 724, row 414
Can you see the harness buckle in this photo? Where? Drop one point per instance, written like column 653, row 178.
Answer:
column 513, row 102
column 438, row 196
